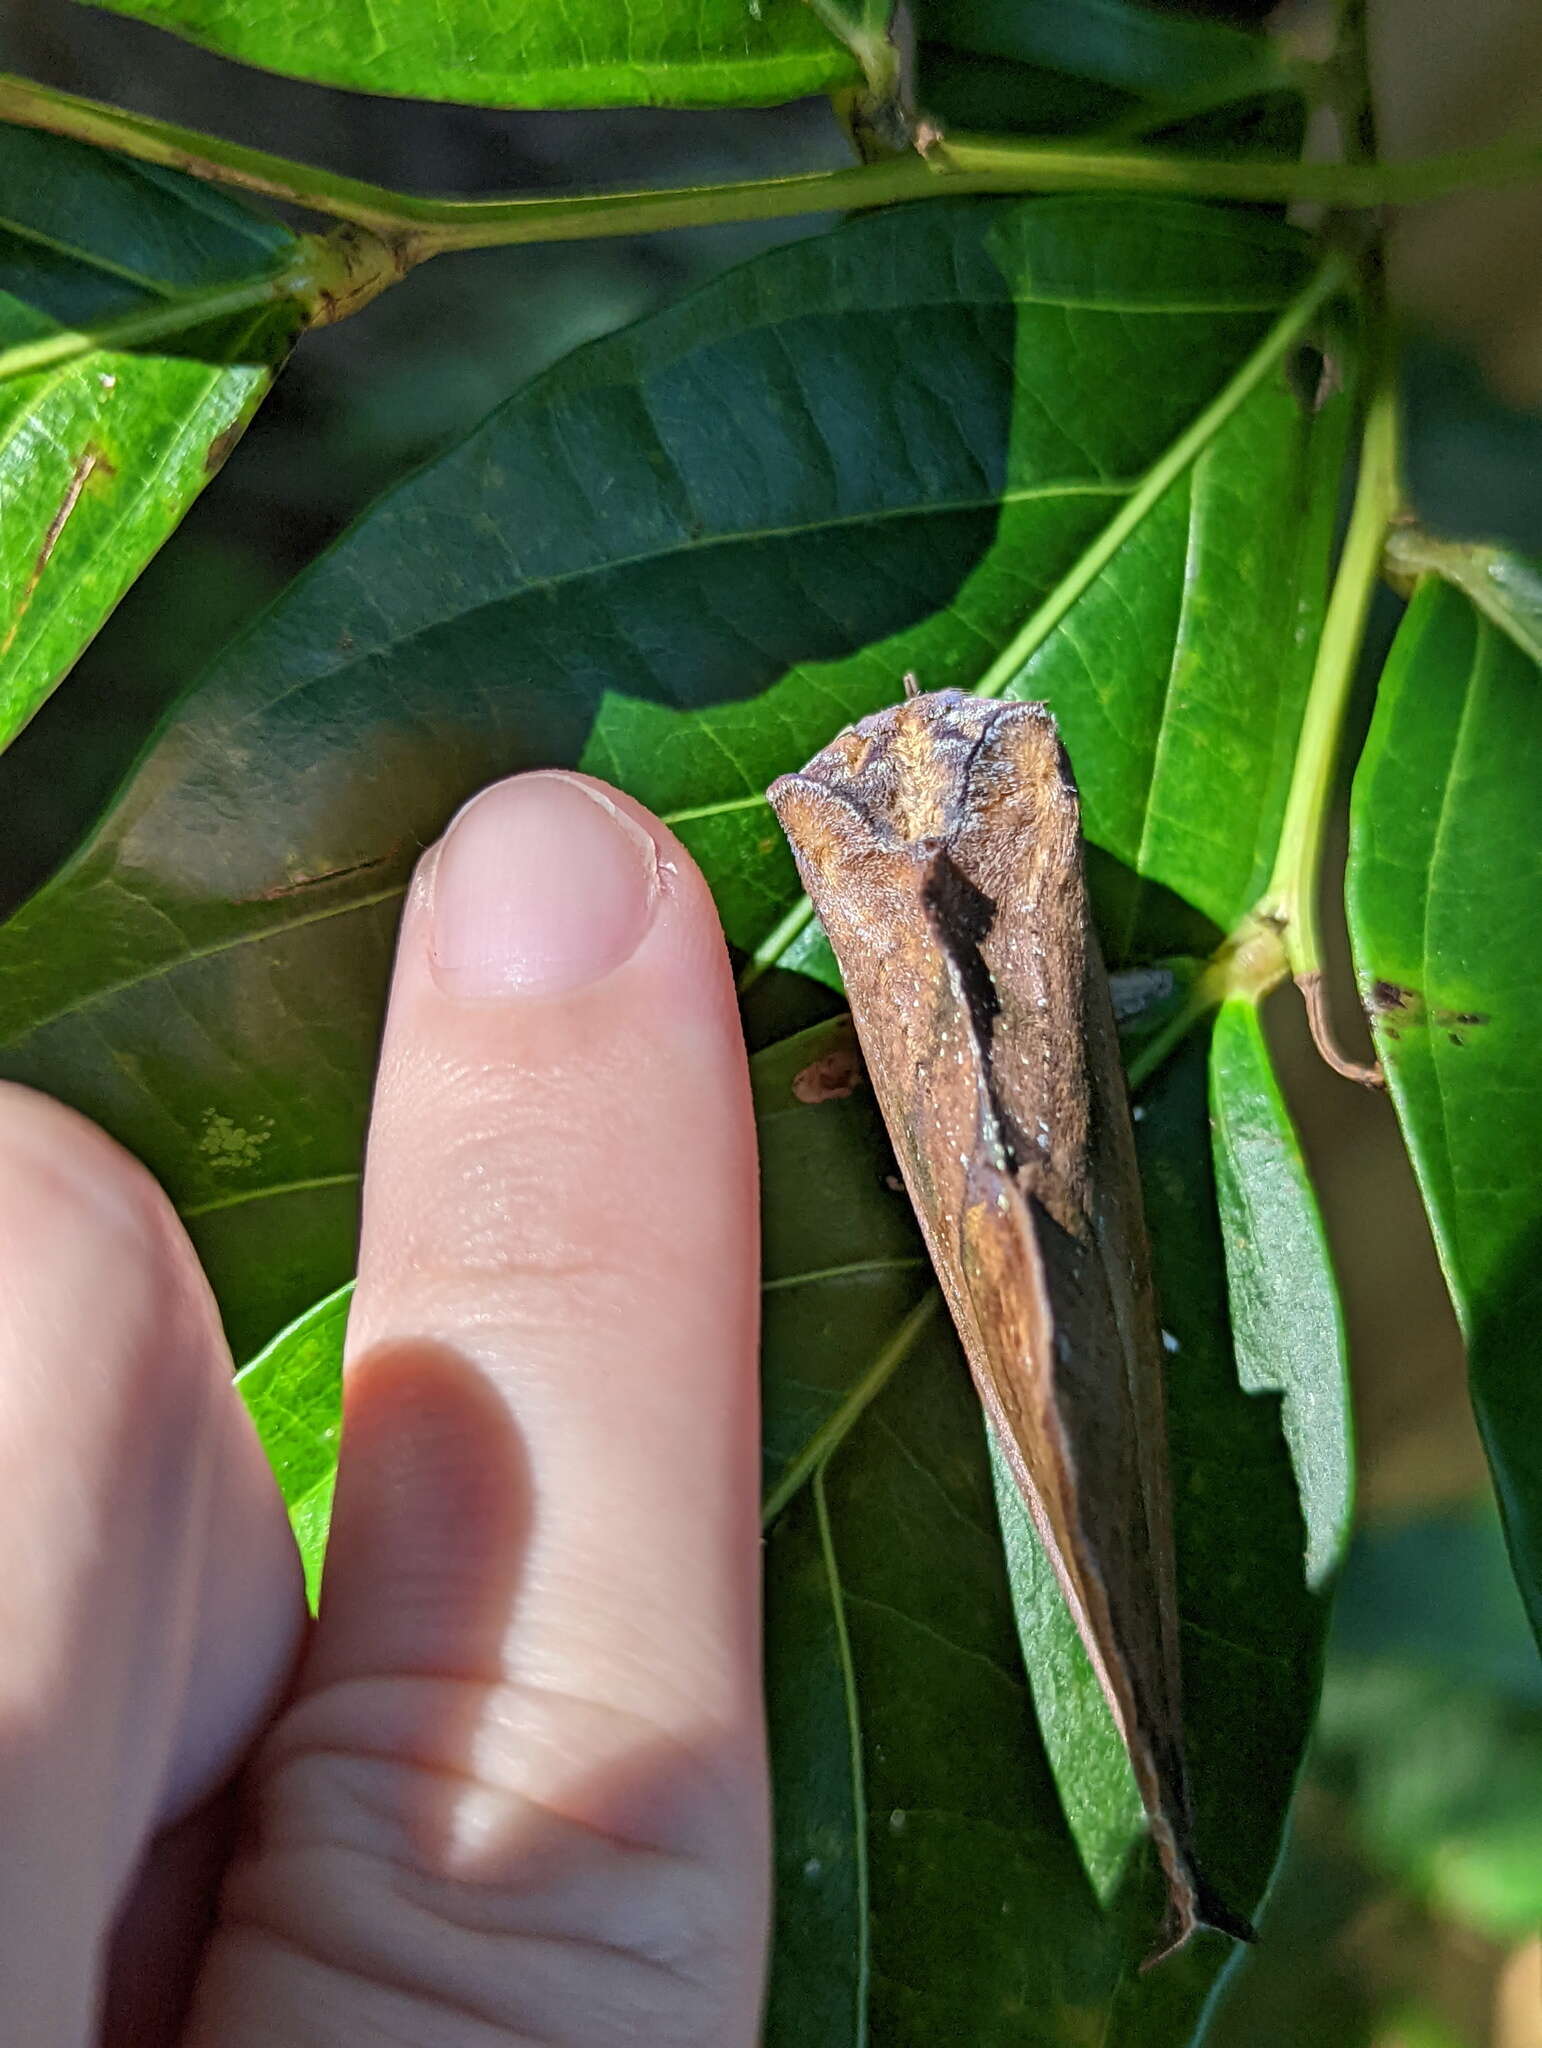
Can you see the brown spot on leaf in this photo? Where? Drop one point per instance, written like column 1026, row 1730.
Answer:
column 90, row 460
column 221, row 446
column 1383, row 996
column 296, row 885
column 1465, row 1018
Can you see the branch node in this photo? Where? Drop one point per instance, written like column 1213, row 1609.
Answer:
column 340, row 272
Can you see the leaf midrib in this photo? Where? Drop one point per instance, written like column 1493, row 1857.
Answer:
column 87, row 259
column 280, row 927
column 853, row 1705
column 682, row 548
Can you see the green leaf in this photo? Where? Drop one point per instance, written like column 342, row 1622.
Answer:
column 1159, row 53
column 1442, row 889
column 581, row 53
column 1284, row 1306
column 294, row 1394
column 1505, row 587
column 682, row 559
column 103, row 449
column 1106, row 68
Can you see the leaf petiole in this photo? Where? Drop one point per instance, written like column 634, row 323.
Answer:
column 1291, row 901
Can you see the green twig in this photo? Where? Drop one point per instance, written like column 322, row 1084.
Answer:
column 777, row 943
column 1292, row 900
column 419, row 228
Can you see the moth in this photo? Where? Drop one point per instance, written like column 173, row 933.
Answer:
column 940, row 842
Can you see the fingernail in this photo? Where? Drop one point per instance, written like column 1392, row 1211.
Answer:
column 542, row 885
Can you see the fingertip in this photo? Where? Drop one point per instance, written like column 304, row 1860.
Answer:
column 548, row 882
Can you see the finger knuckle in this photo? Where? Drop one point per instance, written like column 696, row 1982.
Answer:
column 567, row 1897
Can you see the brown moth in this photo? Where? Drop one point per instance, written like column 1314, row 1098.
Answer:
column 940, row 841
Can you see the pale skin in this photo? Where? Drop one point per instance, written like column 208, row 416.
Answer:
column 510, row 1787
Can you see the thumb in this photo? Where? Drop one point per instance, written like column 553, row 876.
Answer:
column 520, row 1793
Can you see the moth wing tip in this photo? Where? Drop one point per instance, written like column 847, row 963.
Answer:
column 1203, row 1908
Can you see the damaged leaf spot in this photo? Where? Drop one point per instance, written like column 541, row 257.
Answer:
column 296, row 885
column 221, row 446
column 1389, row 1002
column 1391, row 996
column 227, row 1147
column 91, row 460
column 831, row 1078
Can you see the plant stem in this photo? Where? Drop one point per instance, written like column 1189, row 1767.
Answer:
column 958, row 164
column 776, row 943
column 1291, row 900
column 1249, row 962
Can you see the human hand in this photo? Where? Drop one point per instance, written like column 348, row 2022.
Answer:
column 511, row 1785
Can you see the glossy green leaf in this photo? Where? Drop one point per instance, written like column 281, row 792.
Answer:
column 683, row 559
column 1505, row 587
column 1107, row 69
column 293, row 1393
column 103, row 450
column 1419, row 1825
column 1159, row 52
column 1443, row 890
column 541, row 53
column 1284, row 1307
